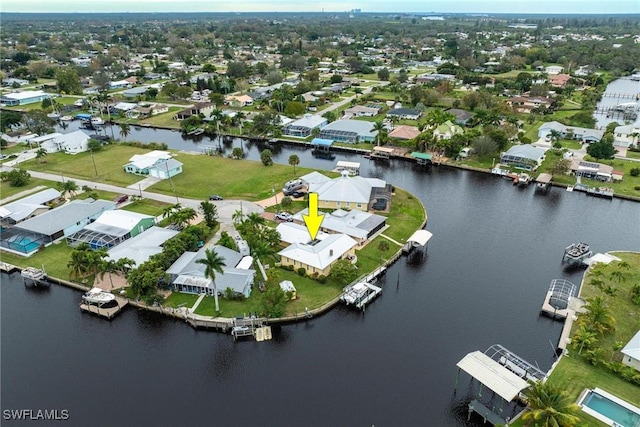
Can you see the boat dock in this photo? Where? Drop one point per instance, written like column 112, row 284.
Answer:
column 36, row 276
column 543, row 183
column 255, row 327
column 561, row 299
column 577, row 253
column 360, row 294
column 106, row 312
column 5, row 267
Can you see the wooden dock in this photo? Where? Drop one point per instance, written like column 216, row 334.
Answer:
column 5, row 267
column 106, row 312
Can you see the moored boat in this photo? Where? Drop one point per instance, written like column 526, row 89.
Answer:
column 97, row 121
column 33, row 273
column 98, row 296
column 66, row 118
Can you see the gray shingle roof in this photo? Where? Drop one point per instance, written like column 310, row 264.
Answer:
column 65, row 216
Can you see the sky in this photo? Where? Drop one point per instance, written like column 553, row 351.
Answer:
column 455, row 6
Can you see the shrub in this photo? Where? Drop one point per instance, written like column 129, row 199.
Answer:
column 634, row 172
column 302, row 272
column 322, row 278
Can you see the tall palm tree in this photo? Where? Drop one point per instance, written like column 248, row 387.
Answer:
column 213, row 263
column 125, row 130
column 379, row 127
column 549, row 405
column 583, row 337
column 294, row 160
column 68, row 187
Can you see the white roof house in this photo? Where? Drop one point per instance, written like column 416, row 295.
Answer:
column 319, row 255
column 627, row 135
column 347, row 189
column 315, row 178
column 24, row 208
column 291, row 232
column 75, row 142
column 144, row 161
column 631, row 352
column 141, row 247
column 354, row 223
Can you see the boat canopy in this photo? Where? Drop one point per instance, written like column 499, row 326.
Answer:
column 496, row 377
column 421, row 237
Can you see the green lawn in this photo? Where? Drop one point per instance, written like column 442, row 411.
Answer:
column 179, row 299
column 6, row 190
column 146, row 206
column 109, row 162
column 633, row 155
column 54, row 259
column 164, row 119
column 232, row 179
column 406, row 216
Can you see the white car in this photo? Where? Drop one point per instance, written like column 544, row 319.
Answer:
column 284, row 216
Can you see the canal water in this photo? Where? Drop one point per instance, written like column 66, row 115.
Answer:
column 619, row 91
column 495, row 250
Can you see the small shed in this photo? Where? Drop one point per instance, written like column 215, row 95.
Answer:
column 287, row 287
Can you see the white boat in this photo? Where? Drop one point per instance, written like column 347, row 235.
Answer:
column 54, row 115
column 33, row 273
column 66, row 118
column 98, row 296
column 355, row 293
column 97, row 121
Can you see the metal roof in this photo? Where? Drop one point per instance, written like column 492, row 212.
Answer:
column 423, row 156
column 50, row 222
column 421, row 237
column 632, row 349
column 496, row 377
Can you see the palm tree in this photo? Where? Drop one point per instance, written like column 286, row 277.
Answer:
column 549, row 405
column 379, row 127
column 41, row 154
column 294, row 160
column 77, row 265
column 599, row 315
column 255, row 219
column 68, row 187
column 213, row 263
column 618, row 275
column 237, row 216
column 125, row 130
column 583, row 337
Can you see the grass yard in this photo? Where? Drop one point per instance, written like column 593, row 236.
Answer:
column 54, row 258
column 164, row 119
column 629, row 186
column 406, row 216
column 109, row 163
column 242, row 179
column 146, row 206
column 179, row 299
column 6, row 190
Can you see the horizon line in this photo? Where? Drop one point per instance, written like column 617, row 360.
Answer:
column 320, row 12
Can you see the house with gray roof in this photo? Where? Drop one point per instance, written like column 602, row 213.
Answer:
column 143, row 246
column 351, row 131
column 570, row 132
column 304, row 126
column 27, row 207
column 357, row 224
column 524, row 156
column 188, row 276
column 28, row 236
column 157, row 163
column 627, row 135
column 404, row 113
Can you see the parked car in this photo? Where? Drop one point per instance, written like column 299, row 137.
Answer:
column 215, row 197
column 121, row 198
column 284, row 216
column 297, row 194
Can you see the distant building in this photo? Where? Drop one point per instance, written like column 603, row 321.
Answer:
column 404, row 113
column 24, row 98
column 627, row 135
column 158, row 164
column 571, row 132
column 204, row 108
column 404, row 132
column 446, row 130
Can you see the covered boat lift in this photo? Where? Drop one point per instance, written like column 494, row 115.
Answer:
column 502, row 372
column 416, row 246
column 422, row 159
column 381, row 153
column 543, row 183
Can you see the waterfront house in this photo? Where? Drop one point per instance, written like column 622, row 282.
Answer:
column 157, row 163
column 627, row 135
column 143, row 246
column 359, row 225
column 28, row 236
column 631, row 352
column 446, row 130
column 554, row 69
column 317, row 257
column 134, row 92
column 404, row 132
column 295, row 232
column 50, row 142
column 24, row 98
column 591, row 170
column 188, row 276
column 27, row 207
column 351, row 131
column 351, row 192
column 303, row 127
column 111, row 228
column 74, row 142
column 204, row 108
column 524, row 156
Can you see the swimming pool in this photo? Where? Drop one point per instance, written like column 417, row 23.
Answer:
column 609, row 409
